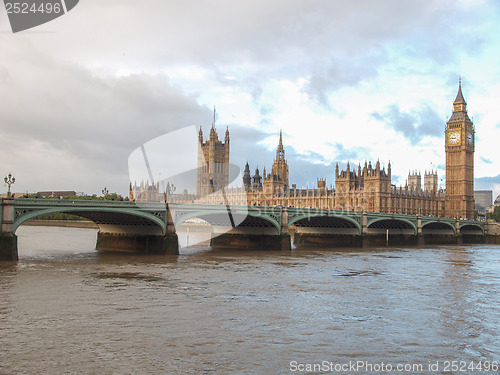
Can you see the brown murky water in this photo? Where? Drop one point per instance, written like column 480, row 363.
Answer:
column 64, row 308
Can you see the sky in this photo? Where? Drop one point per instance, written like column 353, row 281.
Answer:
column 344, row 81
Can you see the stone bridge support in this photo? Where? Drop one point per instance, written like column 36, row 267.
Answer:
column 365, row 241
column 492, row 231
column 420, row 235
column 268, row 238
column 458, row 235
column 139, row 240
column 8, row 240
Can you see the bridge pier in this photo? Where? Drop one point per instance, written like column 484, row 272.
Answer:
column 252, row 241
column 8, row 240
column 263, row 238
column 131, row 239
column 143, row 244
column 8, row 247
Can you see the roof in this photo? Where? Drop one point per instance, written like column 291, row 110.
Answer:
column 460, row 98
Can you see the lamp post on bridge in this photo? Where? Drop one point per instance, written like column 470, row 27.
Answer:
column 169, row 191
column 9, row 181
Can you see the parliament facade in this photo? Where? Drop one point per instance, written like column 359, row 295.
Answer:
column 362, row 187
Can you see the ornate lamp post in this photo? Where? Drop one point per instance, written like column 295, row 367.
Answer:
column 9, row 181
column 169, row 191
column 105, row 191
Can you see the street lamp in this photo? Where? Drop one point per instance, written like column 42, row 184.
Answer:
column 9, row 181
column 169, row 191
column 105, row 191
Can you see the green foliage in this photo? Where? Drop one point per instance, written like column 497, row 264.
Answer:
column 107, row 197
column 59, row 216
column 495, row 215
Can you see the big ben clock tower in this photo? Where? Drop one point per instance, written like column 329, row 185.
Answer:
column 459, row 146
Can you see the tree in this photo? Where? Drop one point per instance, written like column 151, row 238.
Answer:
column 495, row 215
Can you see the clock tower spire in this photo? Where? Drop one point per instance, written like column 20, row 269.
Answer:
column 459, row 147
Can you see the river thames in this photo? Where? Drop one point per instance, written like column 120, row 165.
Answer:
column 65, row 308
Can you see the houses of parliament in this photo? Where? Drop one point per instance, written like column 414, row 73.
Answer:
column 362, row 187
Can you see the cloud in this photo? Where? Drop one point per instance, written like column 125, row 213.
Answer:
column 484, row 160
column 412, row 125
column 482, row 181
column 73, row 120
column 77, row 96
column 339, row 74
column 352, row 154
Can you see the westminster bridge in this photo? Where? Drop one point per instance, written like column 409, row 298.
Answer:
column 150, row 227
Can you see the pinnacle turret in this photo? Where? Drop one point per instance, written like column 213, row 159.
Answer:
column 460, row 98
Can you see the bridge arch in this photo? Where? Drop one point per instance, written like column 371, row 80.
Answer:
column 385, row 223
column 232, row 217
column 122, row 216
column 328, row 221
column 438, row 226
column 471, row 228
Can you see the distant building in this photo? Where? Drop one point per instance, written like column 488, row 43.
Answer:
column 414, row 181
column 483, row 200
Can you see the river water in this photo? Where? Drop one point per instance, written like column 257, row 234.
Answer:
column 65, row 308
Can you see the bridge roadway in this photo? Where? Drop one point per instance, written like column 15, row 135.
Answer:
column 150, row 227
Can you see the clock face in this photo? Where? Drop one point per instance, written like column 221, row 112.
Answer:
column 454, row 138
column 470, row 138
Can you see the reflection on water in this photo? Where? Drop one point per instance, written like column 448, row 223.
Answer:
column 65, row 308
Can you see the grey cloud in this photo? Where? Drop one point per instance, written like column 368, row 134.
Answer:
column 270, row 38
column 344, row 155
column 67, row 118
column 412, row 125
column 341, row 73
column 77, row 121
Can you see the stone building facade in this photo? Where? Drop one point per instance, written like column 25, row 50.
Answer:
column 365, row 187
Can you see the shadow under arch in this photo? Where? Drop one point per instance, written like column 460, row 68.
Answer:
column 393, row 224
column 438, row 227
column 337, row 223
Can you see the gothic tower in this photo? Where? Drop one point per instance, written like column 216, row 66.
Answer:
column 247, row 179
column 459, row 147
column 276, row 182
column 213, row 163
